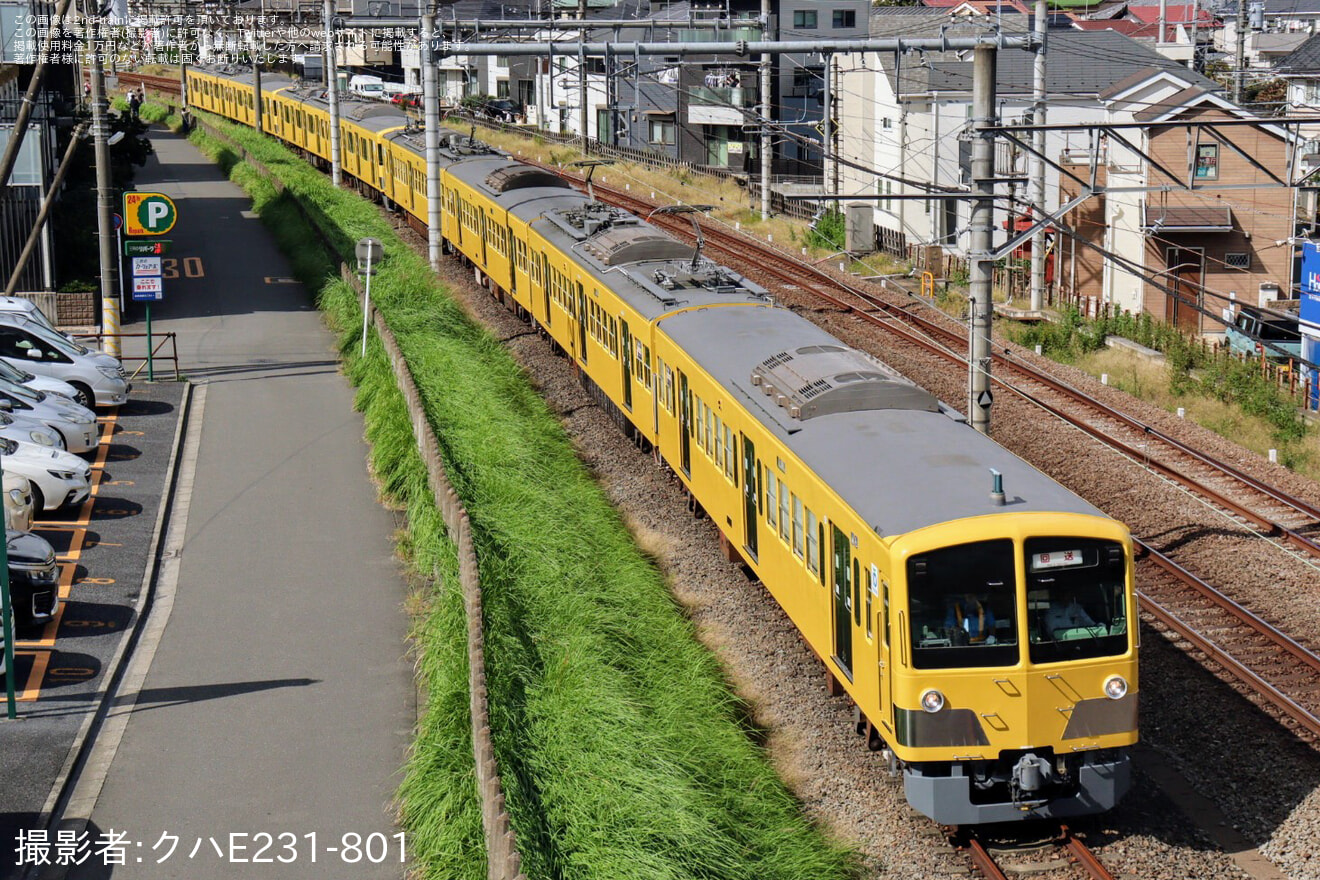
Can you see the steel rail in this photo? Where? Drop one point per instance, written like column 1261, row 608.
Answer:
column 984, row 862
column 1244, row 615
column 1280, row 700
column 1084, row 857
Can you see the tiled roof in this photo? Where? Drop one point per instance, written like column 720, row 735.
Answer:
column 1172, row 14
column 1081, row 63
column 1304, row 59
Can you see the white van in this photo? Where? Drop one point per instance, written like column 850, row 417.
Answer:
column 96, row 377
column 367, row 86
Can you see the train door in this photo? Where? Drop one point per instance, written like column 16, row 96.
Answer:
column 582, row 322
column 625, row 356
column 513, row 260
column 843, row 601
column 545, row 288
column 485, row 261
column 751, row 492
column 684, row 424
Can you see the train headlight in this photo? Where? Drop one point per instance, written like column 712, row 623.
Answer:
column 1116, row 687
column 932, row 700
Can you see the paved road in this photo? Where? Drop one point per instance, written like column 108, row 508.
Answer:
column 279, row 700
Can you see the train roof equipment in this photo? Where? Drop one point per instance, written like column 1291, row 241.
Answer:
column 936, row 469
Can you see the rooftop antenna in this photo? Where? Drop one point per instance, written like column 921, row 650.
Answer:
column 590, row 165
column 696, row 227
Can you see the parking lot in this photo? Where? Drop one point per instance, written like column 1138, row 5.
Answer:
column 103, row 548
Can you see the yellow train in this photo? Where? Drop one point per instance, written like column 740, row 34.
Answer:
column 979, row 615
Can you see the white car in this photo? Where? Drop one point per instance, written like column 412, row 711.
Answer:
column 36, row 383
column 75, row 424
column 97, row 378
column 58, row 478
column 26, row 430
column 18, row 502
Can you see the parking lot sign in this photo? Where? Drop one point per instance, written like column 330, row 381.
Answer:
column 147, row 213
column 148, row 289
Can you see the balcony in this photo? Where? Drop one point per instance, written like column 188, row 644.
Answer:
column 721, row 97
column 713, row 35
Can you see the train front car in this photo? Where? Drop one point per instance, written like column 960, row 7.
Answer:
column 1015, row 686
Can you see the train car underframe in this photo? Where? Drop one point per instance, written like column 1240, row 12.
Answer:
column 1027, row 784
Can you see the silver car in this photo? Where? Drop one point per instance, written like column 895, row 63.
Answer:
column 76, row 424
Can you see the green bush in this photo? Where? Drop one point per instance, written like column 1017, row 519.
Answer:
column 828, row 231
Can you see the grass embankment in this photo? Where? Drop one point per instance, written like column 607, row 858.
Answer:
column 623, row 751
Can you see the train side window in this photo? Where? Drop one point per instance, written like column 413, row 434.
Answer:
column 784, row 521
column 813, row 549
column 797, row 526
column 771, row 501
column 821, row 544
column 884, row 606
column 870, row 595
column 730, row 455
column 719, row 443
column 857, row 586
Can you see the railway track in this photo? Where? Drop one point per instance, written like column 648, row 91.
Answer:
column 1065, row 845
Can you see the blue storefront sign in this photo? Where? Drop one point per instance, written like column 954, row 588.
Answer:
column 1310, row 317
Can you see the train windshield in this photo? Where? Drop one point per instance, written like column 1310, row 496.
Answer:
column 1075, row 599
column 964, row 606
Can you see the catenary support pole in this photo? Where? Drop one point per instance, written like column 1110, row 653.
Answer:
column 982, row 227
column 431, row 119
column 332, row 92
column 582, row 100
column 1240, row 57
column 827, row 163
column 767, row 113
column 104, row 200
column 1037, row 162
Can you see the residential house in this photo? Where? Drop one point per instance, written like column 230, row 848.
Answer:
column 702, row 108
column 906, row 118
column 1188, row 257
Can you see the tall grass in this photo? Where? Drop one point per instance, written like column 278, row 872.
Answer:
column 623, row 751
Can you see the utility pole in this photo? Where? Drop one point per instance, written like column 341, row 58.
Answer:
column 582, row 100
column 982, row 229
column 431, row 118
column 766, row 114
column 1241, row 60
column 104, row 200
column 332, row 92
column 827, row 128
column 1037, row 162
